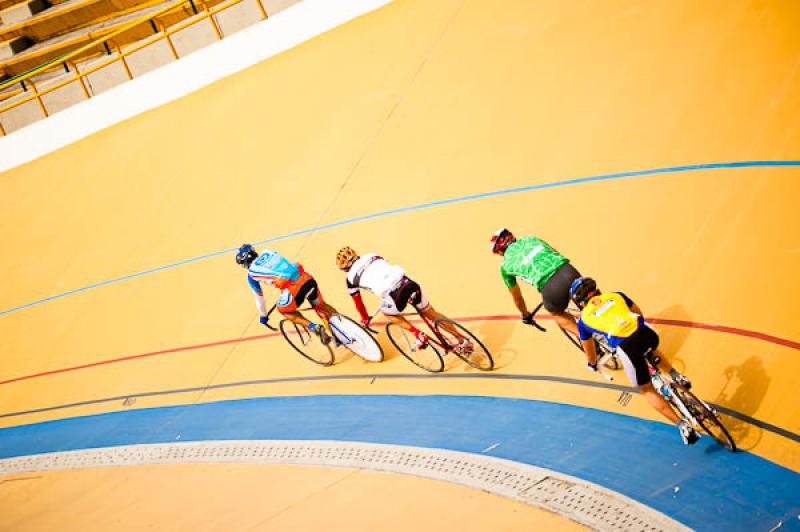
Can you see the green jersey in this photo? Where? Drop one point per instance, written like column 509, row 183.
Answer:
column 531, row 260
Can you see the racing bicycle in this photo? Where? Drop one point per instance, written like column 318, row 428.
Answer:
column 448, row 336
column 684, row 402
column 344, row 331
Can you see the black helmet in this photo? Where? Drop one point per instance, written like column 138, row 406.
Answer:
column 582, row 289
column 246, row 255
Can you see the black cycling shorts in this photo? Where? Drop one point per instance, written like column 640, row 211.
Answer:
column 555, row 292
column 309, row 290
column 409, row 292
column 631, row 352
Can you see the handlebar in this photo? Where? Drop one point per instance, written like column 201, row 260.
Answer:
column 266, row 322
column 533, row 317
column 601, row 366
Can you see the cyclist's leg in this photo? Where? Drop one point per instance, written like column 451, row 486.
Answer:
column 293, row 296
column 392, row 306
column 313, row 294
column 657, row 401
column 416, row 297
column 631, row 352
column 555, row 296
column 392, row 313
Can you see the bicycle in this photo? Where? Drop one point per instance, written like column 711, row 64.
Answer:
column 344, row 330
column 448, row 337
column 685, row 403
column 611, row 362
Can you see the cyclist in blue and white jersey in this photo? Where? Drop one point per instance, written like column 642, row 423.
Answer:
column 296, row 286
column 616, row 317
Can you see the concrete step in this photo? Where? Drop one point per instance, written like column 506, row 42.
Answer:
column 22, row 11
column 14, row 46
column 67, row 16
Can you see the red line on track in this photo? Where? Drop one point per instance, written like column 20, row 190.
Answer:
column 676, row 323
column 141, row 355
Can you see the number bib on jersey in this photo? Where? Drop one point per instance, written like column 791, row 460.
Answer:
column 609, row 313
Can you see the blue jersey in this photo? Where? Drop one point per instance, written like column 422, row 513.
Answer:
column 272, row 268
column 609, row 315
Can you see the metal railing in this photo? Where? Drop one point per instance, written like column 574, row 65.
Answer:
column 69, row 61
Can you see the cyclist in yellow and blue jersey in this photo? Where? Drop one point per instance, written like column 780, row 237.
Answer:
column 620, row 321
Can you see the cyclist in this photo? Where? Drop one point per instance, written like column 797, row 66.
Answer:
column 616, row 317
column 533, row 260
column 296, row 285
column 392, row 285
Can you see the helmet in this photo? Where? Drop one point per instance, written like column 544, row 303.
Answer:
column 582, row 289
column 246, row 255
column 500, row 240
column 346, row 257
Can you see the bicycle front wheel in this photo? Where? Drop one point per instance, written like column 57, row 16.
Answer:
column 464, row 344
column 355, row 338
column 612, row 362
column 429, row 358
column 706, row 416
column 306, row 343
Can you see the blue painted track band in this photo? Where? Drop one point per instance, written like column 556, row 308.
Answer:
column 500, row 376
column 641, row 459
column 390, row 212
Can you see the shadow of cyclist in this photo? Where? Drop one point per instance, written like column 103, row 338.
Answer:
column 745, row 387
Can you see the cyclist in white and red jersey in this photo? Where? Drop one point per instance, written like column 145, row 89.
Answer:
column 391, row 284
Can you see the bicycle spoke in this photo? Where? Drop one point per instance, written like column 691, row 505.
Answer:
column 460, row 341
column 429, row 358
column 306, row 343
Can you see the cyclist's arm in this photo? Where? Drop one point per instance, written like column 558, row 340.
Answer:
column 519, row 301
column 633, row 306
column 513, row 288
column 355, row 293
column 590, row 350
column 587, row 341
column 260, row 303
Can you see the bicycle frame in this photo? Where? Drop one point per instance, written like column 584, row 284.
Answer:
column 439, row 340
column 673, row 398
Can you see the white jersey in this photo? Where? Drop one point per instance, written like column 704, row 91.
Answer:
column 375, row 274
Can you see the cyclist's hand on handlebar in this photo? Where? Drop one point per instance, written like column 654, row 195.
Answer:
column 365, row 322
column 527, row 318
column 591, row 366
column 263, row 320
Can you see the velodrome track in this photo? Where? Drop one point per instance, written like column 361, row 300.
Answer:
column 657, row 145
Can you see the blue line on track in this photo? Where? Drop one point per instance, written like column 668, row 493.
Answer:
column 390, row 212
column 641, row 459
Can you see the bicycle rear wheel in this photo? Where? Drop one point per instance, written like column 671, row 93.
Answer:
column 355, row 338
column 306, row 343
column 464, row 344
column 429, row 358
column 706, row 416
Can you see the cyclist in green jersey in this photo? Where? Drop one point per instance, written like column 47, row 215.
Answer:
column 536, row 262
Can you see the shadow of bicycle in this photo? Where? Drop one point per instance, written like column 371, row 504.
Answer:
column 495, row 334
column 745, row 387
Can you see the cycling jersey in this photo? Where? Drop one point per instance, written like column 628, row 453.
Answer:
column 375, row 274
column 610, row 315
column 532, row 260
column 272, row 268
